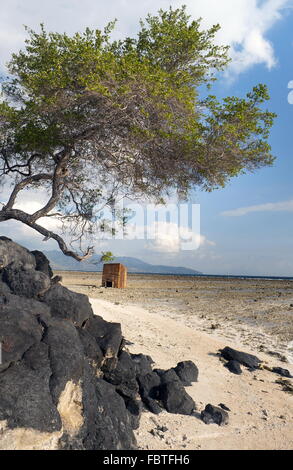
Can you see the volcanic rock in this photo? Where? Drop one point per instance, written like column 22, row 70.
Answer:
column 248, row 360
column 213, row 414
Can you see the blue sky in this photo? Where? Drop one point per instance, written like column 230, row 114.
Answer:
column 257, row 240
column 261, row 241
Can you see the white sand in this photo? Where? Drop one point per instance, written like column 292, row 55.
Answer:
column 261, row 413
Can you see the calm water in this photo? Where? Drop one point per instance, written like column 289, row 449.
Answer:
column 223, row 276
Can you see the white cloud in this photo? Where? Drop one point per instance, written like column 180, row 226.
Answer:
column 171, row 238
column 245, row 23
column 284, row 206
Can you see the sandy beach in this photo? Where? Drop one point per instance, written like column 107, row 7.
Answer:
column 173, row 318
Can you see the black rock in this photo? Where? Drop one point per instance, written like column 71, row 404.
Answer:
column 169, row 376
column 134, row 407
column 37, row 359
column 152, row 405
column 11, row 252
column 113, row 423
column 19, row 328
column 282, row 372
column 26, row 401
column 187, row 372
column 91, row 348
column 109, row 364
column 213, row 414
column 224, row 407
column 65, row 380
column 25, row 282
column 53, row 349
column 68, row 305
column 162, row 428
column 248, row 360
column 4, row 289
column 108, row 335
column 66, row 355
column 42, row 263
column 149, row 385
column 149, row 389
column 123, row 376
column 175, row 399
column 234, row 367
column 143, row 364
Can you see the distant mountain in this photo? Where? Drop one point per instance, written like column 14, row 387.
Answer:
column 60, row 262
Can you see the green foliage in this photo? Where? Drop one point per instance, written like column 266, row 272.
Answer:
column 107, row 257
column 127, row 114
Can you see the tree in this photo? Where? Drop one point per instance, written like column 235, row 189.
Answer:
column 87, row 118
column 106, row 257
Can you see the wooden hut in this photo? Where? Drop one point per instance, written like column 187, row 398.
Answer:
column 114, row 275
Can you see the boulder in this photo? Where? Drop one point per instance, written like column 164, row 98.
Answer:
column 50, row 396
column 143, row 364
column 234, row 367
column 187, row 372
column 68, row 305
column 26, row 401
column 152, row 405
column 113, row 421
column 4, row 290
column 91, row 348
column 24, row 281
column 149, row 385
column 123, row 376
column 19, row 329
column 37, row 359
column 108, row 335
column 65, row 380
column 12, row 252
column 213, row 414
column 175, row 399
column 248, row 360
column 282, row 372
column 66, row 355
column 168, row 376
column 42, row 263
column 134, row 407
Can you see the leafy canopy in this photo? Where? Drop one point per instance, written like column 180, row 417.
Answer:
column 89, row 118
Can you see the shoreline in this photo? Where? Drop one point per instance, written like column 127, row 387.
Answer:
column 257, row 313
column 208, row 276
column 260, row 415
column 171, row 319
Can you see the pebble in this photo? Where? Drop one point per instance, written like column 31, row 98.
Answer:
column 224, row 407
column 162, row 428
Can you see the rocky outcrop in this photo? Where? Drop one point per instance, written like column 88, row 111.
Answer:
column 248, row 360
column 42, row 263
column 66, row 380
column 10, row 252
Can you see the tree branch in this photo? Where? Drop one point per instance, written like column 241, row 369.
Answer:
column 58, row 176
column 18, row 187
column 7, row 168
column 26, row 219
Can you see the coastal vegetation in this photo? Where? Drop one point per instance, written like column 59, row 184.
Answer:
column 89, row 119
